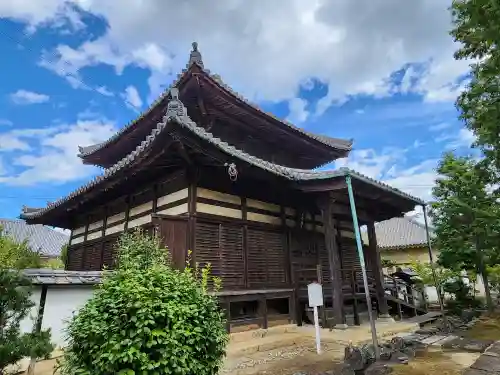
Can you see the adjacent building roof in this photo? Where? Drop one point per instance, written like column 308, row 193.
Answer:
column 399, row 233
column 48, row 242
column 177, row 115
column 46, row 276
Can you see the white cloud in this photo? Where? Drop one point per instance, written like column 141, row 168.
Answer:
column 51, row 156
column 67, row 232
column 3, row 170
column 132, row 97
column 23, row 97
column 269, row 51
column 297, row 110
column 5, row 122
column 464, row 139
column 104, row 91
column 439, row 126
column 389, row 166
column 10, row 142
column 372, row 163
column 37, row 13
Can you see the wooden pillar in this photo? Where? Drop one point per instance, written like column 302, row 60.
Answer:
column 192, row 177
column 326, row 207
column 376, row 268
column 38, row 325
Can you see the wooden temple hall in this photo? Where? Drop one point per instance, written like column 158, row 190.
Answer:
column 210, row 172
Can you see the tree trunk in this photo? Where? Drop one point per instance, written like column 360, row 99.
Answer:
column 484, row 275
column 487, row 292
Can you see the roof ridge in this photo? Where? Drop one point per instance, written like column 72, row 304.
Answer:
column 216, row 78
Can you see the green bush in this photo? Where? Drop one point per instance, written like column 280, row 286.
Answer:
column 463, row 297
column 15, row 305
column 147, row 318
column 15, row 255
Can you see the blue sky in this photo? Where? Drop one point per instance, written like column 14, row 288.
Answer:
column 75, row 72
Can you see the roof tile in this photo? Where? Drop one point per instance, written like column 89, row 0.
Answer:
column 46, row 241
column 399, row 232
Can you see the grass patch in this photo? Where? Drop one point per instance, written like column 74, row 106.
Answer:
column 487, row 328
column 429, row 363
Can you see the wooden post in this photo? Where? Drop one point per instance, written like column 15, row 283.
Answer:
column 38, row 325
column 326, row 207
column 376, row 266
column 263, row 311
column 319, row 277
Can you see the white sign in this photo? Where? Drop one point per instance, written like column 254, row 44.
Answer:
column 315, row 293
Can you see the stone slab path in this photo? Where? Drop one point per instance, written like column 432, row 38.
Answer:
column 488, row 363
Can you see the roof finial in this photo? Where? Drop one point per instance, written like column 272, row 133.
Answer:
column 175, row 107
column 195, row 56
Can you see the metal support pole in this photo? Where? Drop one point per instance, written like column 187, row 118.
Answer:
column 363, row 266
column 431, row 259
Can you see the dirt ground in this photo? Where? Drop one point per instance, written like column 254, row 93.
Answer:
column 301, row 357
column 487, row 328
column 291, row 360
column 437, row 362
column 285, row 361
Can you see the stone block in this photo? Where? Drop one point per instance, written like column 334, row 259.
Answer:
column 487, row 363
column 378, row 368
column 495, row 348
column 433, row 339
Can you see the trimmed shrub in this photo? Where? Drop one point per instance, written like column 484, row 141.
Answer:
column 147, row 318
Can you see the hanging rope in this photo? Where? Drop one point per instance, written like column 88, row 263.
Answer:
column 232, row 171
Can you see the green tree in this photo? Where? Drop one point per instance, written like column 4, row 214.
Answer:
column 64, row 254
column 465, row 217
column 15, row 305
column 147, row 318
column 424, row 272
column 476, row 26
column 15, row 255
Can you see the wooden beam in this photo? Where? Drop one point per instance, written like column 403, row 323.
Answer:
column 179, row 146
column 200, row 98
column 331, row 185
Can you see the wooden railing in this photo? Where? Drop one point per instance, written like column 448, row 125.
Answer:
column 405, row 291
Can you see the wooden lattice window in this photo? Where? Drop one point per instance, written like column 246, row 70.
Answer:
column 266, row 257
column 221, row 245
column 92, row 257
column 75, row 255
column 109, row 253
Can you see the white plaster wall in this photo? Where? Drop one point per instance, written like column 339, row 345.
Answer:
column 60, row 304
column 27, row 323
column 432, row 293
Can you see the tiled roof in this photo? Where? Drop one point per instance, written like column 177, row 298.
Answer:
column 178, row 114
column 399, row 232
column 46, row 241
column 342, row 144
column 47, row 276
column 195, row 58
